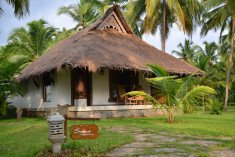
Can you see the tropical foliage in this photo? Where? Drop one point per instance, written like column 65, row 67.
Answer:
column 187, row 51
column 26, row 44
column 21, row 8
column 161, row 15
column 210, row 51
column 8, row 86
column 221, row 15
column 176, row 92
column 213, row 59
column 82, row 13
column 87, row 11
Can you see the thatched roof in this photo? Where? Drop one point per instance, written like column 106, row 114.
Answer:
column 99, row 46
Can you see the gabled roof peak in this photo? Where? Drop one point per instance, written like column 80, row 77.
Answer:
column 113, row 19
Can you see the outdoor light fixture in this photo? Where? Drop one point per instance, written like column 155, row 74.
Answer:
column 101, row 72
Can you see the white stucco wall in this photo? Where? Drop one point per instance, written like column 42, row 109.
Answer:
column 100, row 88
column 62, row 88
column 60, row 92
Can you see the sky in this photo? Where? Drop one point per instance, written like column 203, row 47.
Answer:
column 47, row 9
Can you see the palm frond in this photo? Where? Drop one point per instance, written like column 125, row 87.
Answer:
column 195, row 95
column 157, row 70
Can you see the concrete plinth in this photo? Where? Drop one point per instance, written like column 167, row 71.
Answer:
column 56, row 147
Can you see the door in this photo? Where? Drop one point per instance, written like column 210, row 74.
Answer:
column 81, row 85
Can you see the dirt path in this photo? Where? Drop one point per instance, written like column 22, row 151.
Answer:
column 163, row 144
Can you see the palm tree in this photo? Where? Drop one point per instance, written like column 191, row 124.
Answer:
column 21, row 7
column 187, row 51
column 8, row 85
column 103, row 5
column 210, row 50
column 162, row 14
column 87, row 11
column 177, row 92
column 26, row 45
column 223, row 52
column 202, row 62
column 58, row 36
column 221, row 15
column 83, row 13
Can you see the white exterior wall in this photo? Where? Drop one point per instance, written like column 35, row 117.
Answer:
column 60, row 92
column 62, row 88
column 100, row 88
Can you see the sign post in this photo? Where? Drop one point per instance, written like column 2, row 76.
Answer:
column 82, row 131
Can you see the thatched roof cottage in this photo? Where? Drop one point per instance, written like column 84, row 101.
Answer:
column 90, row 68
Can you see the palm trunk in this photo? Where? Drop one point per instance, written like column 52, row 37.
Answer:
column 164, row 25
column 229, row 67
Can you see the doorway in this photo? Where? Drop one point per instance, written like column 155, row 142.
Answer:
column 81, row 86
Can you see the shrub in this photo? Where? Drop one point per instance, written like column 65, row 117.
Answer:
column 214, row 106
column 190, row 109
column 11, row 111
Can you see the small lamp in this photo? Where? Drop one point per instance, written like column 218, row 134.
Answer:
column 101, row 72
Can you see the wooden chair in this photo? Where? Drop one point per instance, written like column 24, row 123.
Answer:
column 125, row 99
column 140, row 99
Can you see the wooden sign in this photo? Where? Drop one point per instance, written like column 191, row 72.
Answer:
column 84, row 131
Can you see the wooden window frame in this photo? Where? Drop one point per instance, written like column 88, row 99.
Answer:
column 44, row 84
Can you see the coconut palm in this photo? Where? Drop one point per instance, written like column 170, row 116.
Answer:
column 82, row 13
column 21, row 7
column 8, row 86
column 187, row 51
column 88, row 11
column 162, row 14
column 223, row 52
column 210, row 50
column 177, row 92
column 26, row 45
column 221, row 15
column 103, row 5
column 202, row 62
column 58, row 36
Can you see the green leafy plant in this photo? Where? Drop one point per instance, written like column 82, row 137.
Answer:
column 214, row 106
column 27, row 44
column 8, row 85
column 176, row 92
column 21, row 8
column 220, row 14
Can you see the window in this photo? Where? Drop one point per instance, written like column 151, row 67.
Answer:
column 46, row 88
column 128, row 79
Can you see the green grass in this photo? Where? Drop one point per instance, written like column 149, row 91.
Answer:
column 200, row 124
column 29, row 136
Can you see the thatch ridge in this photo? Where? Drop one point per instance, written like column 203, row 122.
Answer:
column 94, row 49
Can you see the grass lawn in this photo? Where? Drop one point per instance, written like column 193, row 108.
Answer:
column 29, row 136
